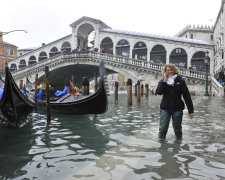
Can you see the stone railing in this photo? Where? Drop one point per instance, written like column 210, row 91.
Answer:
column 140, row 63
column 105, row 57
column 217, row 88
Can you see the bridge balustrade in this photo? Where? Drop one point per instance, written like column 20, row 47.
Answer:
column 106, row 57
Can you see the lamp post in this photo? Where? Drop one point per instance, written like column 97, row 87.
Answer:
column 4, row 33
column 4, row 53
column 207, row 60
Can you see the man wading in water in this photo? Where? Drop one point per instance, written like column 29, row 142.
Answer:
column 172, row 87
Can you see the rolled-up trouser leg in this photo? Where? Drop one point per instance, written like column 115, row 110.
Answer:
column 177, row 123
column 164, row 124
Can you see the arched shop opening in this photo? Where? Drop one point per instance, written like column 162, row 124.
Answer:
column 106, row 46
column 13, row 67
column 123, row 48
column 54, row 51
column 139, row 51
column 198, row 61
column 66, row 47
column 22, row 64
column 179, row 57
column 43, row 56
column 158, row 54
column 32, row 60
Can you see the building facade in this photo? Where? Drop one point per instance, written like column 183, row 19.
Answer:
column 219, row 41
column 7, row 52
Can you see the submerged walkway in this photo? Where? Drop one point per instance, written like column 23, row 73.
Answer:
column 120, row 144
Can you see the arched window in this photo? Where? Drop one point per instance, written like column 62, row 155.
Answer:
column 54, row 51
column 139, row 51
column 13, row 67
column 42, row 56
column 123, row 48
column 179, row 57
column 197, row 61
column 32, row 60
column 22, row 64
column 158, row 54
column 66, row 47
column 106, row 46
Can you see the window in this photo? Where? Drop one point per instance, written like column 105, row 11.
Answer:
column 192, row 36
column 178, row 51
column 11, row 51
column 211, row 37
column 6, row 50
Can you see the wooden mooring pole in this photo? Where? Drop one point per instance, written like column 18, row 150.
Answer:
column 48, row 110
column 21, row 84
column 138, row 92
column 116, row 90
column 35, row 99
column 146, row 90
column 135, row 90
column 129, row 92
column 96, row 82
column 142, row 90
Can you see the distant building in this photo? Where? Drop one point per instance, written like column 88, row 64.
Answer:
column 204, row 33
column 7, row 52
column 219, row 41
column 25, row 50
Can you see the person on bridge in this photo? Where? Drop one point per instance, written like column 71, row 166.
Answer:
column 172, row 87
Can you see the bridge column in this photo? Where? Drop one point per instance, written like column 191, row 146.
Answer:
column 130, row 56
column 148, row 54
column 74, row 39
column 188, row 61
column 167, row 57
column 96, row 42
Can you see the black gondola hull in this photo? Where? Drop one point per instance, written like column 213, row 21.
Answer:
column 14, row 105
column 96, row 103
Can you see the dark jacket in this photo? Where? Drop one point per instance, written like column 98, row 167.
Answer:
column 172, row 95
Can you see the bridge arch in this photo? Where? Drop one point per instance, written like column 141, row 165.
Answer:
column 22, row 64
column 42, row 56
column 158, row 54
column 107, row 45
column 139, row 51
column 32, row 60
column 54, row 51
column 123, row 48
column 178, row 56
column 66, row 47
column 85, row 35
column 13, row 67
column 197, row 61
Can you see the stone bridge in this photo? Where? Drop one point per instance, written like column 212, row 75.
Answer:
column 144, row 71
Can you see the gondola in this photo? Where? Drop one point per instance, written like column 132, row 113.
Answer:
column 14, row 105
column 96, row 103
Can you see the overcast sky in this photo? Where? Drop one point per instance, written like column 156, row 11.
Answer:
column 49, row 20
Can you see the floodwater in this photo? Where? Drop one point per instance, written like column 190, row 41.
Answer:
column 120, row 144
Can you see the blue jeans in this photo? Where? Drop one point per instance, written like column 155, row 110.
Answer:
column 165, row 117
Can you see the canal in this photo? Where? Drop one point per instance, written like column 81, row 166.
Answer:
column 120, row 144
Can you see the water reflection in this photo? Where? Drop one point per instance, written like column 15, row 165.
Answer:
column 120, row 144
column 14, row 150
